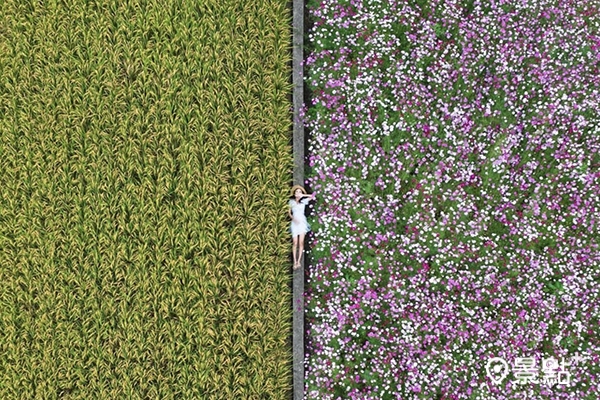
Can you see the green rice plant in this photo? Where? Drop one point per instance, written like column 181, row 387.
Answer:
column 142, row 159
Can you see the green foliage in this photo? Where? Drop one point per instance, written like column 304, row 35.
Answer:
column 468, row 6
column 143, row 237
column 440, row 31
column 422, row 6
column 400, row 31
column 368, row 186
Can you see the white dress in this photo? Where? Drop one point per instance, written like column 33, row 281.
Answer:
column 302, row 227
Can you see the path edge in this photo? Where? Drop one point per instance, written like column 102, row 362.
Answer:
column 298, row 179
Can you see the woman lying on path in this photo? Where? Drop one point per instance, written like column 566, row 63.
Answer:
column 299, row 226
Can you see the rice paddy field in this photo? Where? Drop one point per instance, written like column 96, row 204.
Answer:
column 455, row 151
column 144, row 172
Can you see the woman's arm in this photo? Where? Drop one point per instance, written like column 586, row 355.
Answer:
column 291, row 215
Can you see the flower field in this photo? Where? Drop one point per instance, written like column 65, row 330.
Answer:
column 455, row 150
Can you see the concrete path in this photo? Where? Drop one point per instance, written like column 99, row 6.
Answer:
column 298, row 149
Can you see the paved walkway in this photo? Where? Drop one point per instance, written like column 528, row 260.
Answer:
column 298, row 149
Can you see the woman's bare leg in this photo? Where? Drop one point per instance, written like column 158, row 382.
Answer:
column 300, row 247
column 294, row 247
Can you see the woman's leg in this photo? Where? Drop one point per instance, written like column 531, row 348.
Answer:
column 294, row 247
column 300, row 247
